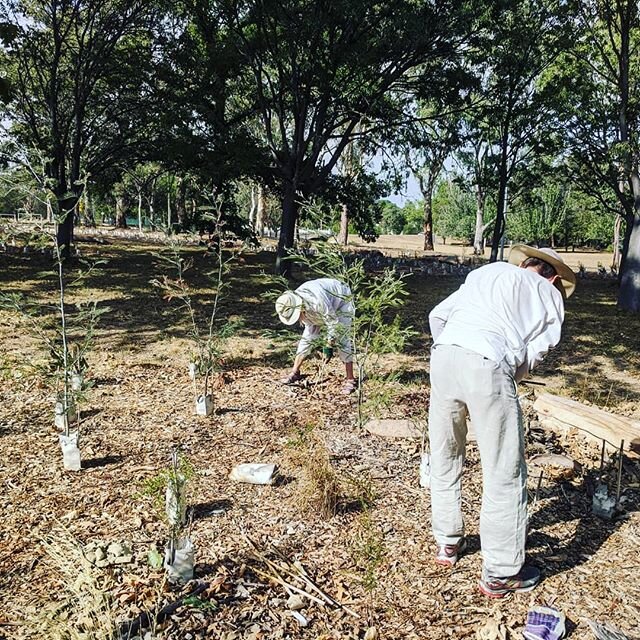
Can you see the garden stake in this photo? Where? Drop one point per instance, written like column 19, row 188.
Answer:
column 537, row 493
column 604, row 444
column 619, row 473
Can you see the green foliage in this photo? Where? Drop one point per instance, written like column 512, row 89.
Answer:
column 208, row 338
column 68, row 340
column 454, row 214
column 368, row 551
column 178, row 476
column 376, row 329
column 392, row 219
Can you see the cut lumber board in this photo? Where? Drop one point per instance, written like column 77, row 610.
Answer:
column 564, row 414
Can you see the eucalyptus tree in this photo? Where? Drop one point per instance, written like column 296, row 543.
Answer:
column 472, row 157
column 430, row 140
column 514, row 106
column 80, row 77
column 320, row 69
column 599, row 80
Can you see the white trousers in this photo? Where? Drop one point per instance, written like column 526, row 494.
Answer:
column 462, row 381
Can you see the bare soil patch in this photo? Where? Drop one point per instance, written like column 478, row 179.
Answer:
column 375, row 555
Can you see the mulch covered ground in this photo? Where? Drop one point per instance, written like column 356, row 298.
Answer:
column 369, row 568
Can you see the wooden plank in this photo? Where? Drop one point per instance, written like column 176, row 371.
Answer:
column 564, row 414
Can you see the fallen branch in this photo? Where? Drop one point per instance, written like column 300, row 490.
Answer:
column 295, row 570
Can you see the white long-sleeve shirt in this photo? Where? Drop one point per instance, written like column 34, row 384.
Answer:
column 329, row 303
column 502, row 312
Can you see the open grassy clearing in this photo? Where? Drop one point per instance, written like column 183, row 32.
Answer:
column 412, row 244
column 375, row 555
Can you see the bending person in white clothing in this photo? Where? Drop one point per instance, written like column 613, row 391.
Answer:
column 320, row 303
column 486, row 336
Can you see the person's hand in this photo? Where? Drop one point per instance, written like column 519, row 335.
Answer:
column 327, row 354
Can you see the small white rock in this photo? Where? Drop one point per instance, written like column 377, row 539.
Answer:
column 295, row 603
column 302, row 621
column 371, row 634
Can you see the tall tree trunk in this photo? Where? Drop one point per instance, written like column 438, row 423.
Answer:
column 499, row 226
column 426, row 189
column 88, row 218
column 139, row 210
column 252, row 210
column 181, row 204
column 428, row 223
column 629, row 292
column 121, row 212
column 478, row 236
column 615, row 262
column 343, row 234
column 64, row 233
column 261, row 211
column 168, row 212
column 287, row 230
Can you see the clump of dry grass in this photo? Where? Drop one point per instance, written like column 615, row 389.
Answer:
column 324, row 490
column 320, row 486
column 84, row 609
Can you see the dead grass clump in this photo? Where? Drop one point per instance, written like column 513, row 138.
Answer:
column 320, row 486
column 325, row 490
column 84, row 609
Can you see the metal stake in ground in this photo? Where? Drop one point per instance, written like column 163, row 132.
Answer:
column 619, row 486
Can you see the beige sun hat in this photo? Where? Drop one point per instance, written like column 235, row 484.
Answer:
column 289, row 307
column 520, row 252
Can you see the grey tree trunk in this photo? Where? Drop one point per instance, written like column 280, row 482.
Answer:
column 261, row 211
column 428, row 223
column 478, row 237
column 287, row 230
column 121, row 212
column 615, row 261
column 88, row 217
column 252, row 209
column 629, row 293
column 181, row 204
column 343, row 234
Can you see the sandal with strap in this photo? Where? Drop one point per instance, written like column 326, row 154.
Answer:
column 292, row 378
column 349, row 386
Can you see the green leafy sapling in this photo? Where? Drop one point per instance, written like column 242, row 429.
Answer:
column 66, row 343
column 376, row 329
column 208, row 338
column 170, row 491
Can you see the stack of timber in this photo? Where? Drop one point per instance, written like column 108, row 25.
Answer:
column 563, row 415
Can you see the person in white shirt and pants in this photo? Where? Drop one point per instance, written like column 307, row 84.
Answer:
column 324, row 302
column 486, row 336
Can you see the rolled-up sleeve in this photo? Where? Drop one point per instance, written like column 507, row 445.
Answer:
column 308, row 340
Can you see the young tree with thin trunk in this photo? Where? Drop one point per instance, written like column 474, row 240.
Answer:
column 513, row 109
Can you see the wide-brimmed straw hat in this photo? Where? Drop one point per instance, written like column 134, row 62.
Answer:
column 289, row 307
column 520, row 252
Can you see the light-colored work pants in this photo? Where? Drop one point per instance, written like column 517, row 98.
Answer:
column 462, row 380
